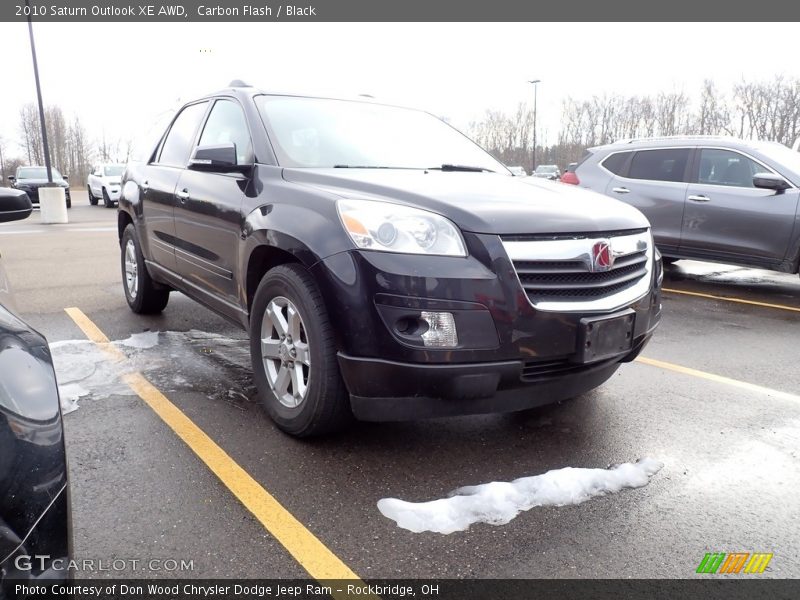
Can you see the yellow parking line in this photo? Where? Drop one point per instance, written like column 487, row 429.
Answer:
column 737, row 300
column 310, row 552
column 751, row 387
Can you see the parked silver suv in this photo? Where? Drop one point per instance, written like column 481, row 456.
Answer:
column 707, row 198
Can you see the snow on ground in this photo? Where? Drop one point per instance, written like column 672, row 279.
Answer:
column 171, row 358
column 142, row 341
column 84, row 370
column 498, row 502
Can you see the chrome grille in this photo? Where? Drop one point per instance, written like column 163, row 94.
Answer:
column 560, row 273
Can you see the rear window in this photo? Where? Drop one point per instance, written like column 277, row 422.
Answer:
column 616, row 162
column 659, row 165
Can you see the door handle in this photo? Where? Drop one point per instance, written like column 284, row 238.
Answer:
column 145, row 186
column 699, row 198
column 183, row 195
column 620, row 190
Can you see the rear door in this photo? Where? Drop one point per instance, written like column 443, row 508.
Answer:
column 727, row 216
column 208, row 219
column 157, row 184
column 655, row 182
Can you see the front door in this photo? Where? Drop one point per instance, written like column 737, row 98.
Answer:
column 726, row 215
column 208, row 219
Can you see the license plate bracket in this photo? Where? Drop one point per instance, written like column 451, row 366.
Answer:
column 605, row 337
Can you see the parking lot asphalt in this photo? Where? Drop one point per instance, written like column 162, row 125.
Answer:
column 718, row 403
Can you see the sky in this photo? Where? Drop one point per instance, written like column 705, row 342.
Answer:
column 117, row 77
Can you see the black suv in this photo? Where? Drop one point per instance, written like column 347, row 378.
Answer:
column 30, row 179
column 384, row 265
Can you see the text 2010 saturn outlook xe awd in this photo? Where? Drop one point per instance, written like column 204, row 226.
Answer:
column 384, row 265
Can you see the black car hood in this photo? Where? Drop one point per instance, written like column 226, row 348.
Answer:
column 38, row 182
column 481, row 202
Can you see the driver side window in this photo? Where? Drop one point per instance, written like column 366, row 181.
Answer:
column 728, row 168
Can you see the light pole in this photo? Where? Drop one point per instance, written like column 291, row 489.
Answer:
column 45, row 145
column 533, row 161
column 52, row 197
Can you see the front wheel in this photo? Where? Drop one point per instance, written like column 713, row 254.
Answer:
column 92, row 197
column 141, row 292
column 292, row 348
column 107, row 201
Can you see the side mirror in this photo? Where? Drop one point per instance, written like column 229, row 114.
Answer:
column 219, row 158
column 11, row 178
column 14, row 205
column 770, row 181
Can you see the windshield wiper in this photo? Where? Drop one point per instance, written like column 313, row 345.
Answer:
column 467, row 168
column 368, row 167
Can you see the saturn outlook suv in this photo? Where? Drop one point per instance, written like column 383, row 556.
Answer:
column 707, row 198
column 384, row 265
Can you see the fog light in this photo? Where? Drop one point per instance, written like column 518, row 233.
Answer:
column 441, row 330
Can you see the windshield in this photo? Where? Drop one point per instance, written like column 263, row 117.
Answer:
column 316, row 132
column 36, row 173
column 114, row 170
column 546, row 169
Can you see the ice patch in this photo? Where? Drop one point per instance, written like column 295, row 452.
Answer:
column 69, row 395
column 141, row 341
column 498, row 502
column 84, row 370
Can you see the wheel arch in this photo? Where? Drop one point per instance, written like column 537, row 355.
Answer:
column 123, row 220
column 263, row 258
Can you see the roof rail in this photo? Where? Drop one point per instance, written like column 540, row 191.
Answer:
column 237, row 83
column 671, row 137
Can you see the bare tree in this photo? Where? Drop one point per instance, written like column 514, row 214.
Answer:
column 32, row 134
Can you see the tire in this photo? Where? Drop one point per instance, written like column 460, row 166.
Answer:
column 92, row 198
column 315, row 400
column 141, row 292
column 107, row 202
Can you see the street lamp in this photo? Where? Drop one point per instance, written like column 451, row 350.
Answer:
column 533, row 161
column 52, row 198
column 45, row 145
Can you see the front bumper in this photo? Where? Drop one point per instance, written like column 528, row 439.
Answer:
column 389, row 391
column 33, row 193
column 510, row 355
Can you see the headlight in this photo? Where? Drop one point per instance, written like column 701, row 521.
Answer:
column 375, row 225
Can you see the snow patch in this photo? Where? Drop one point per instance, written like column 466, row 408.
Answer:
column 84, row 370
column 69, row 395
column 141, row 341
column 499, row 502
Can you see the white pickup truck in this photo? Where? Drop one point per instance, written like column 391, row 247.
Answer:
column 104, row 182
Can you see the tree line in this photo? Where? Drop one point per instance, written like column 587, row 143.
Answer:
column 71, row 150
column 765, row 110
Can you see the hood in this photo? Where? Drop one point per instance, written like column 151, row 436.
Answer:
column 481, row 202
column 117, row 180
column 38, row 182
